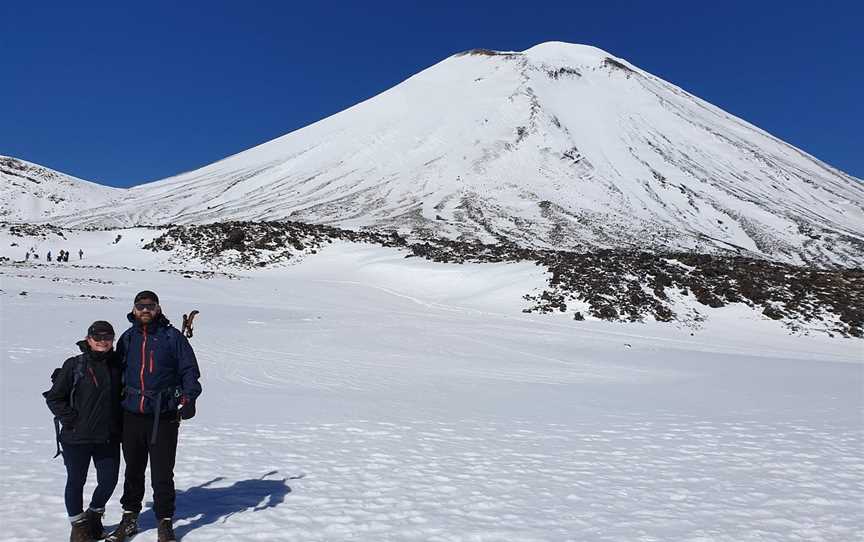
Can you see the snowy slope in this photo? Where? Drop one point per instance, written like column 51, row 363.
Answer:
column 559, row 146
column 364, row 396
column 33, row 193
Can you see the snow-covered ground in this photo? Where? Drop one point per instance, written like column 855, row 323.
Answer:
column 360, row 395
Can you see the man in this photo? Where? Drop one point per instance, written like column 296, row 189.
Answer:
column 161, row 376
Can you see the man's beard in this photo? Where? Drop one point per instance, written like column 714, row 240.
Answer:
column 149, row 318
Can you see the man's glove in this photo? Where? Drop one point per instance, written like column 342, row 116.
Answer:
column 187, row 408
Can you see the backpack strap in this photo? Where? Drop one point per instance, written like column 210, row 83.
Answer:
column 77, row 375
column 57, row 436
column 172, row 392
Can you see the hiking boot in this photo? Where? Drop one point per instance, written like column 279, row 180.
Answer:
column 127, row 529
column 80, row 531
column 165, row 531
column 94, row 517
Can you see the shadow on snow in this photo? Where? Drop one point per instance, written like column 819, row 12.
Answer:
column 204, row 505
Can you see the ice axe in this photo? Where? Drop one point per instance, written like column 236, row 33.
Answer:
column 187, row 324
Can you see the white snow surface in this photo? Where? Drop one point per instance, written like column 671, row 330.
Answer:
column 359, row 395
column 561, row 146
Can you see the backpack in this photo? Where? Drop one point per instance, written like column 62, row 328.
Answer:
column 77, row 375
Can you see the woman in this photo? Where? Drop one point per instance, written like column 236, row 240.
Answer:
column 85, row 398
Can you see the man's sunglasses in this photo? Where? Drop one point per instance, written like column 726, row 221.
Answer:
column 102, row 337
column 146, row 306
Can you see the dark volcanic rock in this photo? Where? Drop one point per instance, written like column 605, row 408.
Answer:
column 620, row 285
column 258, row 244
column 34, row 230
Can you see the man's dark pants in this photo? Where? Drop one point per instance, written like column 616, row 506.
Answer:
column 76, row 457
column 137, row 431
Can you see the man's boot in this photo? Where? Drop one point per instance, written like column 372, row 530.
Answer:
column 80, row 530
column 165, row 531
column 127, row 529
column 94, row 517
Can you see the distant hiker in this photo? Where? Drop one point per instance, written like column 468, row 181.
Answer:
column 85, row 398
column 27, row 257
column 48, row 256
column 80, row 254
column 117, row 239
column 65, row 255
column 161, row 375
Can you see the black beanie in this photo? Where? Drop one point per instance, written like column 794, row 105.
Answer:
column 100, row 327
column 146, row 294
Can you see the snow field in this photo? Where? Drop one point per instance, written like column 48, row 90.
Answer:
column 363, row 396
column 671, row 479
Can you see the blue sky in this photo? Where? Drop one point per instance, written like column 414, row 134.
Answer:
column 122, row 93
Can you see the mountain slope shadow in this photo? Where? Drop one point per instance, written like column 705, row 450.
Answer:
column 205, row 505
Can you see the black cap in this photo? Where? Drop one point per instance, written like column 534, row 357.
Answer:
column 146, row 294
column 100, row 327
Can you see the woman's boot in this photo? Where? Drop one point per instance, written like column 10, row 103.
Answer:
column 97, row 531
column 80, row 530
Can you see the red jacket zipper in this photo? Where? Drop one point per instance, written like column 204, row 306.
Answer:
column 92, row 374
column 143, row 364
column 151, row 362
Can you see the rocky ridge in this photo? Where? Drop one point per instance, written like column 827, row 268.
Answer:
column 614, row 285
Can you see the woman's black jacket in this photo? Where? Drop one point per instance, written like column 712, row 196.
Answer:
column 92, row 414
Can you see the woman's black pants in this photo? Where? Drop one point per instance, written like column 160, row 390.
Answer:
column 77, row 457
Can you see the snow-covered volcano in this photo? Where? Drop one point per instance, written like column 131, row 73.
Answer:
column 560, row 146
